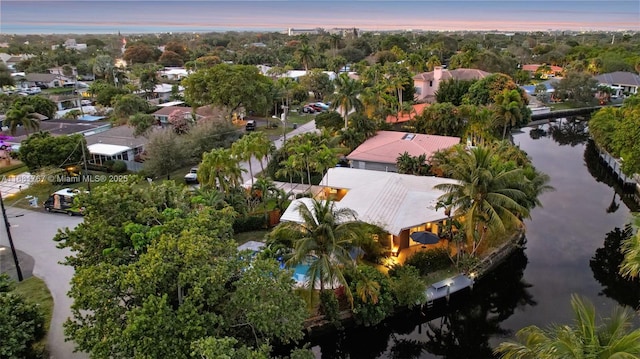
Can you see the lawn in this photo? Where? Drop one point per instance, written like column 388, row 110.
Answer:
column 35, row 291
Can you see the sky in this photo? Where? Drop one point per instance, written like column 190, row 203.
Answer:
column 133, row 16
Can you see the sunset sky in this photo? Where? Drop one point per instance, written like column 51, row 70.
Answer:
column 94, row 16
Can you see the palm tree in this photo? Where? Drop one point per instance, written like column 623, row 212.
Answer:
column 288, row 168
column 23, row 116
column 346, row 96
column 305, row 153
column 508, row 109
column 305, row 54
column 324, row 159
column 487, row 196
column 325, row 233
column 219, row 169
column 585, row 339
column 262, row 147
column 631, row 264
column 396, row 81
column 335, row 41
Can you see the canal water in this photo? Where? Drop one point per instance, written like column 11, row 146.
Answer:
column 571, row 242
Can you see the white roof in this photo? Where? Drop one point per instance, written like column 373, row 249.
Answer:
column 172, row 103
column 107, row 150
column 163, row 88
column 68, row 192
column 252, row 245
column 390, row 200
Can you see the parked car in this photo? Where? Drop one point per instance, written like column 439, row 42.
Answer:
column 250, row 126
column 322, row 105
column 308, row 109
column 32, row 90
column 63, row 201
column 192, row 176
column 316, row 107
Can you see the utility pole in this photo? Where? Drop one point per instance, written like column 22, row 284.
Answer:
column 13, row 248
column 283, row 118
column 84, row 160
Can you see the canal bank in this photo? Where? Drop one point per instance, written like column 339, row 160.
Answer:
column 535, row 284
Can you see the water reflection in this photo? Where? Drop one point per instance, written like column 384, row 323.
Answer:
column 565, row 131
column 453, row 330
column 605, row 264
column 601, row 173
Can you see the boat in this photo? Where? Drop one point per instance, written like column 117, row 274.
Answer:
column 444, row 288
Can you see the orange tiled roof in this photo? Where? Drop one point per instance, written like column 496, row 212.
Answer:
column 404, row 117
column 534, row 68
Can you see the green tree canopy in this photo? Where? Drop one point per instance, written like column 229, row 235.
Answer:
column 42, row 150
column 229, row 86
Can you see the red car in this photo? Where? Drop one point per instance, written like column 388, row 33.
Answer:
column 308, row 109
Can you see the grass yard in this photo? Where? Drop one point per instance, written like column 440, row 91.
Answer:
column 34, row 290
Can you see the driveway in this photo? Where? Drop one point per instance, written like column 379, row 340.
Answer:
column 32, row 232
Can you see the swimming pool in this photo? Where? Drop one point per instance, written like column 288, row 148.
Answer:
column 300, row 270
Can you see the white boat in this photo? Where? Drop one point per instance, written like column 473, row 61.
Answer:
column 446, row 287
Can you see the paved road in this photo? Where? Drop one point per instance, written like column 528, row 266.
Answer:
column 32, row 233
column 255, row 164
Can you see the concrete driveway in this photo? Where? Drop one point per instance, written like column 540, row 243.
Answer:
column 32, row 232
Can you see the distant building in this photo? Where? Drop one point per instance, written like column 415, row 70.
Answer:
column 294, row 32
column 71, row 44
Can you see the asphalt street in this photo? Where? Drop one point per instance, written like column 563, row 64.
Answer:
column 32, row 232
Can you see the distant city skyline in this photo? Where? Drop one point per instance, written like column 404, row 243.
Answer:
column 96, row 16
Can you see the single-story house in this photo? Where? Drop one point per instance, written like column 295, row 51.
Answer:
column 399, row 204
column 116, row 143
column 427, row 84
column 162, row 115
column 380, row 152
column 163, row 91
column 38, row 80
column 174, row 73
column 550, row 71
column 403, row 117
column 623, row 83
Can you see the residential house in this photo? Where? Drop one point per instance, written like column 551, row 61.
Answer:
column 71, row 44
column 402, row 118
column 546, row 71
column 399, row 204
column 174, row 73
column 162, row 115
column 40, row 80
column 427, row 83
column 380, row 152
column 12, row 60
column 116, row 143
column 163, row 91
column 621, row 82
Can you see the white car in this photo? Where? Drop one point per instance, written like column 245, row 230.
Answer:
column 192, row 176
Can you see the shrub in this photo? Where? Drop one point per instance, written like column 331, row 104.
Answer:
column 119, row 166
column 430, row 261
column 329, row 307
column 408, row 288
column 370, row 305
column 249, row 223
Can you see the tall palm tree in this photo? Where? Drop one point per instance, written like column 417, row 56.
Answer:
column 306, row 55
column 324, row 159
column 325, row 233
column 335, row 41
column 287, row 168
column 396, row 81
column 305, row 153
column 262, row 147
column 489, row 198
column 508, row 105
column 219, row 169
column 613, row 338
column 23, row 116
column 242, row 149
column 346, row 96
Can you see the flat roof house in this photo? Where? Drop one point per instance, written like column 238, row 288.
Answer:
column 380, row 152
